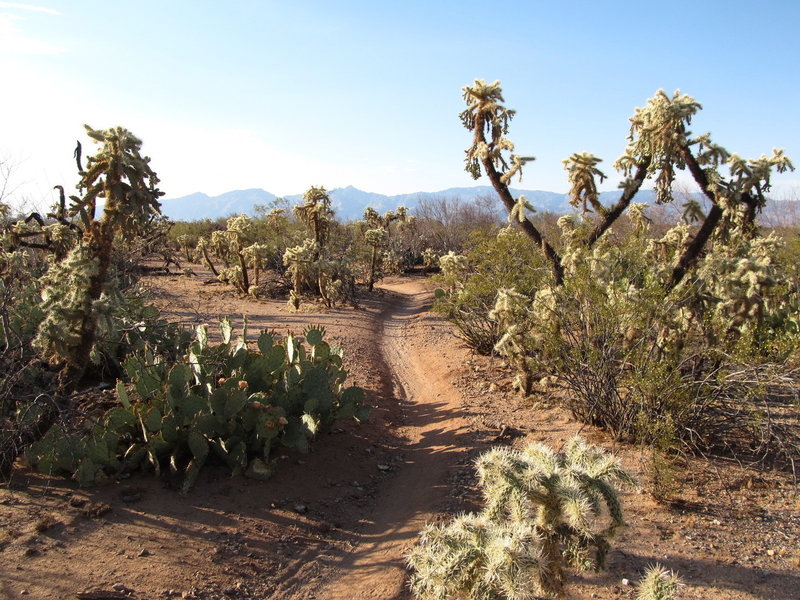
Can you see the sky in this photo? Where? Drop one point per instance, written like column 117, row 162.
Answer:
column 284, row 95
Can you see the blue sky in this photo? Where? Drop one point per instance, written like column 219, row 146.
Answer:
column 279, row 95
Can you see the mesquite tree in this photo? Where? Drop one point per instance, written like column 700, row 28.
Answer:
column 75, row 291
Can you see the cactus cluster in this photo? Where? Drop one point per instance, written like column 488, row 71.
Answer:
column 377, row 230
column 544, row 510
column 224, row 400
column 313, row 267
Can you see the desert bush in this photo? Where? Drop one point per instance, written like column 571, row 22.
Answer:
column 468, row 287
column 671, row 370
column 542, row 514
column 446, row 223
column 224, row 399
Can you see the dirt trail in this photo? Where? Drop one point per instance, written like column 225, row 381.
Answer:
column 432, row 432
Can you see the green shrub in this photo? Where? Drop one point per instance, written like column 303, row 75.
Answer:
column 469, row 286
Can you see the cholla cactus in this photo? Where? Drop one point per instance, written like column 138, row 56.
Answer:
column 658, row 583
column 659, row 145
column 582, row 169
column 231, row 247
column 184, row 241
column 336, row 281
column 377, row 237
column 452, row 263
column 301, row 263
column 473, row 557
column 510, row 312
column 562, row 494
column 120, row 175
column 202, row 251
column 316, row 213
column 429, row 258
column 219, row 244
column 658, row 131
column 541, row 513
column 256, row 256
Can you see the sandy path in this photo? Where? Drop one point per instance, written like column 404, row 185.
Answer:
column 433, row 430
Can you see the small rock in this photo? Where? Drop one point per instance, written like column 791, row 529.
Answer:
column 144, row 552
column 118, row 587
column 770, row 552
column 300, row 509
column 625, row 581
column 383, row 467
column 24, row 593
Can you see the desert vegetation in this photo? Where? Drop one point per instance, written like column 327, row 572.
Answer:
column 682, row 339
column 670, row 331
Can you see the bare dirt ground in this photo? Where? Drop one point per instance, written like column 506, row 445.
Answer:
column 335, row 523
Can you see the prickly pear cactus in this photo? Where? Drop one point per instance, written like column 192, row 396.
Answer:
column 223, row 401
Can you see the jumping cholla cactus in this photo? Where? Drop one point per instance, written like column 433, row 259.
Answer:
column 301, row 263
column 473, row 557
column 238, row 236
column 310, row 264
column 75, row 299
column 316, row 213
column 256, row 255
column 429, row 258
column 658, row 583
column 377, row 237
column 202, row 255
column 542, row 510
column 185, row 241
column 659, row 145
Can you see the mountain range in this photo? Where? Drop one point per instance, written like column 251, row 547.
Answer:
column 350, row 202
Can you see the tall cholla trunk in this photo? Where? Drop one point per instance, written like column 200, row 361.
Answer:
column 209, row 263
column 99, row 241
column 245, row 277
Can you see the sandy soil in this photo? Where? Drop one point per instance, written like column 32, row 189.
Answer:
column 335, row 523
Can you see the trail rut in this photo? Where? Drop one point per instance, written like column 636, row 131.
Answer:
column 434, row 434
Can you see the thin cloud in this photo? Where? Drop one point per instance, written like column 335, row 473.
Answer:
column 14, row 41
column 31, row 7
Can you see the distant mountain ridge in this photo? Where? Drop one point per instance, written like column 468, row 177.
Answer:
column 350, row 202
